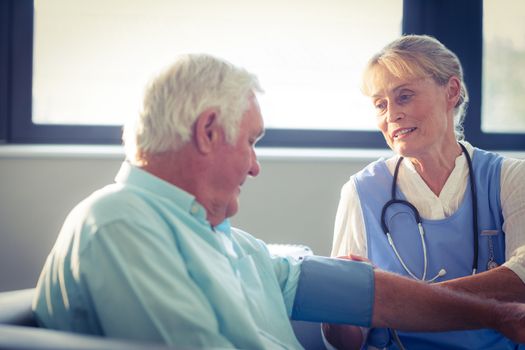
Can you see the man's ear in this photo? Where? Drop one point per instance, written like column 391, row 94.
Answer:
column 206, row 130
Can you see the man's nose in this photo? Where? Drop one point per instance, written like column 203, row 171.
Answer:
column 256, row 168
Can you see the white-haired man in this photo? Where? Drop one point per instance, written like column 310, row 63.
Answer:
column 152, row 257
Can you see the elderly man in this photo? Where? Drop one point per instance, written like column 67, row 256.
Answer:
column 152, row 257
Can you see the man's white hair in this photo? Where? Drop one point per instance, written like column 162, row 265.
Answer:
column 174, row 100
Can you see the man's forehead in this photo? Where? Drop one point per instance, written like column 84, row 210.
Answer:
column 259, row 128
column 253, row 114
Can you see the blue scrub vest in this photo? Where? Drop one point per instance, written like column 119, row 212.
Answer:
column 449, row 243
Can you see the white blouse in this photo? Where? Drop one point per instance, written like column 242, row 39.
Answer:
column 349, row 230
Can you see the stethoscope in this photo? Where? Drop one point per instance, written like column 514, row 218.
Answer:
column 421, row 230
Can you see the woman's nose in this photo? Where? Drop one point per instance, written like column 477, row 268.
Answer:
column 395, row 114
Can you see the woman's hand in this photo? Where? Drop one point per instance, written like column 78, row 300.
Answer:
column 342, row 336
column 355, row 258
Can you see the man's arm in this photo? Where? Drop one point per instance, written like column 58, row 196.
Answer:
column 409, row 305
column 488, row 284
column 341, row 291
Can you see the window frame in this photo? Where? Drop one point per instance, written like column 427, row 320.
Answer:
column 21, row 127
column 459, row 25
column 5, row 8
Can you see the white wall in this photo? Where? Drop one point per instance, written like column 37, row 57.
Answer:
column 293, row 200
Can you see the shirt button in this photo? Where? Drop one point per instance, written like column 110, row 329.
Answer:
column 194, row 209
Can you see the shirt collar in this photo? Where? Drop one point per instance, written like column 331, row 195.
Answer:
column 224, row 227
column 134, row 176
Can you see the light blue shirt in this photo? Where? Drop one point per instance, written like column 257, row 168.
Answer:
column 138, row 260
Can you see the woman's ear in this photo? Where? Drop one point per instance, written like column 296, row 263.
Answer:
column 206, row 130
column 453, row 91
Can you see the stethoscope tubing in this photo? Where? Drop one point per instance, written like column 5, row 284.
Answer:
column 474, row 196
column 419, row 222
column 417, row 217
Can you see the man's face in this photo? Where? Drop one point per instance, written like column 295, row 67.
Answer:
column 234, row 163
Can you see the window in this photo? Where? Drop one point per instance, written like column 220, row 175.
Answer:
column 308, row 55
column 503, row 110
column 92, row 59
column 77, row 78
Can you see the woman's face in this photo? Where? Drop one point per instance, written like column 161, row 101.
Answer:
column 415, row 115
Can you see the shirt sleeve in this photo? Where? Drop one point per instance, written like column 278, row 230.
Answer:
column 283, row 269
column 139, row 286
column 513, row 207
column 349, row 228
column 287, row 270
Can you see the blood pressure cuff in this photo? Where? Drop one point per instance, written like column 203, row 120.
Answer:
column 334, row 291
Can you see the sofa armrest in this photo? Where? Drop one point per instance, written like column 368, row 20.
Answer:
column 15, row 308
column 30, row 338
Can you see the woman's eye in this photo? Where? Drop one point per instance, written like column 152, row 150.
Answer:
column 404, row 97
column 380, row 106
